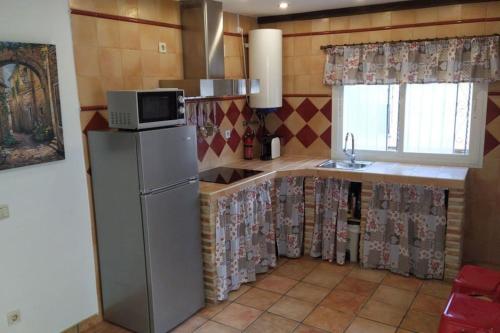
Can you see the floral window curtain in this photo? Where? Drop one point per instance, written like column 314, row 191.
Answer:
column 405, row 230
column 434, row 61
column 290, row 216
column 329, row 239
column 245, row 237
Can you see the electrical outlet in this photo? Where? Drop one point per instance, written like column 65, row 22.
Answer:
column 13, row 317
column 162, row 47
column 240, row 30
column 227, row 134
column 4, row 212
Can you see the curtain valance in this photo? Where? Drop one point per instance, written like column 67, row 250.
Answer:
column 433, row 61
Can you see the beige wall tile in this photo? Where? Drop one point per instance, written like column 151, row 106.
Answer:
column 470, row 29
column 301, row 84
column 317, row 42
column 129, row 36
column 449, row 13
column 492, row 27
column 473, row 10
column 131, row 63
column 89, row 90
column 426, row 15
column 84, row 30
column 108, row 33
column 132, row 82
column 339, row 23
column 288, row 84
column 403, row 17
column 169, row 66
column 172, row 37
column 107, row 6
column 87, row 60
column 302, row 65
column 149, row 10
column 149, row 36
column 449, row 30
column 83, row 4
column 302, row 26
column 320, row 25
column 360, row 21
column 151, row 82
column 379, row 36
column 302, row 45
column 380, row 19
column 230, row 24
column 169, row 11
column 286, row 27
column 128, row 8
column 317, row 64
column 111, row 83
column 150, row 63
column 288, row 65
column 424, row 32
column 288, row 46
column 340, row 39
column 110, row 62
column 493, row 9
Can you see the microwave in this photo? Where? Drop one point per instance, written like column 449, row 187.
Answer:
column 143, row 109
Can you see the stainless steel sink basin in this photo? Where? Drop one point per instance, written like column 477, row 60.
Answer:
column 345, row 165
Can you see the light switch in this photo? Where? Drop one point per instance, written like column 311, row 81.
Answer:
column 4, row 212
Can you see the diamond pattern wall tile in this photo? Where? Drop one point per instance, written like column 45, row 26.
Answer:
column 490, row 142
column 494, row 128
column 233, row 113
column 218, row 144
column 319, row 123
column 202, row 148
column 307, row 110
column 326, row 110
column 295, row 123
column 326, row 136
column 97, row 122
column 306, row 136
column 247, row 112
column 284, row 133
column 219, row 115
column 492, row 111
column 285, row 111
column 234, row 140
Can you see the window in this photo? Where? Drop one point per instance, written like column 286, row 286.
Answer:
column 437, row 123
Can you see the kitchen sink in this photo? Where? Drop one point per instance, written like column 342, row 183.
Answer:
column 345, row 165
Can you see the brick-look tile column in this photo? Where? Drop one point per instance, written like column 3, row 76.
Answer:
column 309, row 213
column 454, row 233
column 207, row 216
column 366, row 196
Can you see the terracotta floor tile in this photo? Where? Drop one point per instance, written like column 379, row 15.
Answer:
column 269, row 323
column 212, row 309
column 383, row 313
column 429, row 304
column 329, row 320
column 323, row 278
column 237, row 316
column 292, row 308
column 190, row 325
column 295, row 269
column 277, row 284
column 213, row 327
column 344, row 301
column 308, row 292
column 336, row 268
column 357, row 286
column 281, row 261
column 237, row 293
column 372, row 275
column 420, row 322
column 259, row 277
column 307, row 329
column 402, row 282
column 258, row 298
column 361, row 325
column 394, row 296
column 436, row 288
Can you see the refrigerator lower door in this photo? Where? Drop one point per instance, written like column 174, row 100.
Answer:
column 167, row 156
column 172, row 233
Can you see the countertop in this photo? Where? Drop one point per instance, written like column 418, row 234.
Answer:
column 442, row 176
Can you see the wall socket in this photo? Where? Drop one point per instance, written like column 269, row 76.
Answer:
column 4, row 212
column 162, row 47
column 13, row 317
column 227, row 134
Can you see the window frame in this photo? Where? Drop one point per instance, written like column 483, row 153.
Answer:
column 476, row 145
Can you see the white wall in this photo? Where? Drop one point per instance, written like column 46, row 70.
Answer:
column 46, row 259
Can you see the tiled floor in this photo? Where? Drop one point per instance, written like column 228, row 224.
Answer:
column 308, row 295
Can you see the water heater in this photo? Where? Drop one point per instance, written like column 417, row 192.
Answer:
column 265, row 62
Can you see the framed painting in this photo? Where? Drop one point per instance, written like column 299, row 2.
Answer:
column 30, row 111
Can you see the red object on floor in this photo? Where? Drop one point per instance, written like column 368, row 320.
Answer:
column 478, row 281
column 467, row 314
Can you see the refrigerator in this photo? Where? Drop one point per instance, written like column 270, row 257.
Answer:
column 145, row 186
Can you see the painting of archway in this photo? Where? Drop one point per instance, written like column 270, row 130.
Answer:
column 30, row 111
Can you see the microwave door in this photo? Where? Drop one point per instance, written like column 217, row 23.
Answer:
column 158, row 109
column 167, row 157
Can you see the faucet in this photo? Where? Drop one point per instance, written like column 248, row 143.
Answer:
column 351, row 155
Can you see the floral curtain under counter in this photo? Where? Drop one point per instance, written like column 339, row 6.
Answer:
column 405, row 230
column 290, row 216
column 245, row 237
column 329, row 239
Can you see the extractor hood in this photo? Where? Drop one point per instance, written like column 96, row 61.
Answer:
column 203, row 54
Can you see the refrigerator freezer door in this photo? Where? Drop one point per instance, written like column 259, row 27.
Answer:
column 173, row 250
column 167, row 156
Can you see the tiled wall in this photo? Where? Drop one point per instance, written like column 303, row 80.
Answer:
column 303, row 68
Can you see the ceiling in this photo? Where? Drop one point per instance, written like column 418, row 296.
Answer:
column 270, row 7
